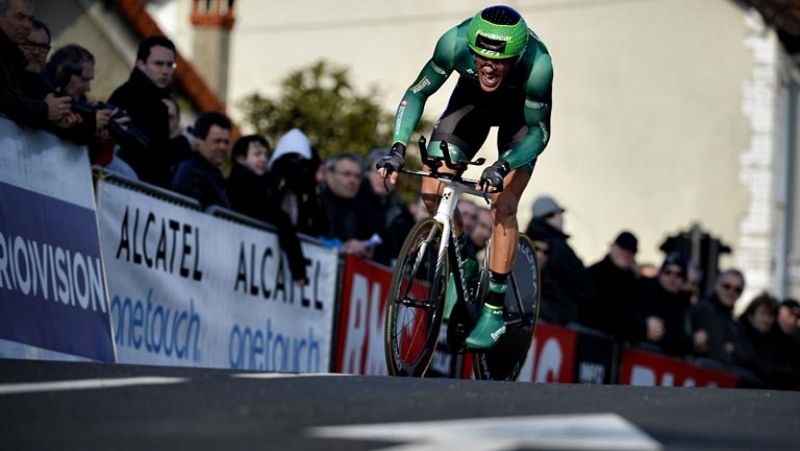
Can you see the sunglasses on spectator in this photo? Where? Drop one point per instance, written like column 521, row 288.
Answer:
column 729, row 287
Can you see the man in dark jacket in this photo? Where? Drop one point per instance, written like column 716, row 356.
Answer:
column 15, row 103
column 615, row 306
column 712, row 318
column 566, row 284
column 142, row 97
column 249, row 190
column 199, row 176
column 389, row 217
column 663, row 298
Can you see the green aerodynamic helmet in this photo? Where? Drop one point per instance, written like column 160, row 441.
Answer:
column 498, row 32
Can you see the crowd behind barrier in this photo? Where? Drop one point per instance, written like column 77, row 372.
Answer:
column 180, row 286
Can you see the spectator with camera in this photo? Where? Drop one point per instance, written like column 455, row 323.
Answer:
column 142, row 97
column 25, row 108
column 71, row 68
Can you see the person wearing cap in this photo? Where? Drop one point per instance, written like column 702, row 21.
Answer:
column 664, row 299
column 566, row 283
column 505, row 80
column 613, row 308
column 712, row 320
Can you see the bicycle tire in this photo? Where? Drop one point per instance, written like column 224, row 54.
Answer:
column 416, row 301
column 505, row 360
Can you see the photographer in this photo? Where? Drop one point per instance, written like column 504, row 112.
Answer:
column 71, row 70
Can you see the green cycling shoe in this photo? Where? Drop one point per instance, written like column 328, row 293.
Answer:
column 489, row 329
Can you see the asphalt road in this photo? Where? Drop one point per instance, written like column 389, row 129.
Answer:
column 56, row 405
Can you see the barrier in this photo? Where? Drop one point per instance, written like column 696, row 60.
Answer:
column 191, row 289
column 53, row 301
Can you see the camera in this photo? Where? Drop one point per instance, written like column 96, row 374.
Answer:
column 122, row 133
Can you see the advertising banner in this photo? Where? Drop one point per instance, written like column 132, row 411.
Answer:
column 643, row 368
column 190, row 289
column 360, row 347
column 551, row 357
column 52, row 289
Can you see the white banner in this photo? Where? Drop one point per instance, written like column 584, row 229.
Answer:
column 190, row 289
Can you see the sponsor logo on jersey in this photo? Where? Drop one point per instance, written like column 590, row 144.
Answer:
column 545, row 133
column 438, row 69
column 536, row 105
column 424, row 83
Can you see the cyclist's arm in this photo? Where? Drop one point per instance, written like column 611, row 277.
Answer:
column 538, row 104
column 432, row 77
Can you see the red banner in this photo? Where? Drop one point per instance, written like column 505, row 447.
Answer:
column 360, row 347
column 551, row 357
column 643, row 368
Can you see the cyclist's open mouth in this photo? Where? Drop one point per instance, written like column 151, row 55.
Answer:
column 490, row 78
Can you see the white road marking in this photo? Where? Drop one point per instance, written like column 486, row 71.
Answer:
column 286, row 375
column 580, row 431
column 86, row 384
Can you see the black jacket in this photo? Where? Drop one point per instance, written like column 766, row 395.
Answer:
column 673, row 309
column 143, row 101
column 614, row 307
column 566, row 284
column 26, row 109
column 388, row 217
column 344, row 219
column 716, row 319
column 250, row 194
column 197, row 178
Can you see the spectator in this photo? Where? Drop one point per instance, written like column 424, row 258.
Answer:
column 467, row 211
column 142, row 97
column 173, row 117
column 664, row 299
column 72, row 69
column 418, row 210
column 27, row 109
column 762, row 347
column 342, row 216
column 36, row 49
column 615, row 306
column 482, row 229
column 294, row 169
column 541, row 246
column 199, row 176
column 712, row 319
column 250, row 192
column 566, row 284
column 788, row 318
column 389, row 216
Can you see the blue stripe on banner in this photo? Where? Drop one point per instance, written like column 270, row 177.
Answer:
column 51, row 278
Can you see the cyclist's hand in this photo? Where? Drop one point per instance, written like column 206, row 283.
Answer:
column 492, row 177
column 391, row 164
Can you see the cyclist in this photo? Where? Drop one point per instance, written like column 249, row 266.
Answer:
column 505, row 81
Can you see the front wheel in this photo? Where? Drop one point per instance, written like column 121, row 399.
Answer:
column 416, row 301
column 504, row 361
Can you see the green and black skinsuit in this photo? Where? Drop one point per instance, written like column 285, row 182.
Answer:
column 520, row 106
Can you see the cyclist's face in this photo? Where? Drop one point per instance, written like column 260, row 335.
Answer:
column 491, row 72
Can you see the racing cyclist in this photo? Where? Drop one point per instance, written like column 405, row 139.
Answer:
column 505, row 81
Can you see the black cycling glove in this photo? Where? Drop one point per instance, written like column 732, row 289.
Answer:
column 494, row 175
column 394, row 161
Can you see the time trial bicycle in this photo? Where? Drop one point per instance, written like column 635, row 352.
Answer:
column 416, row 298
